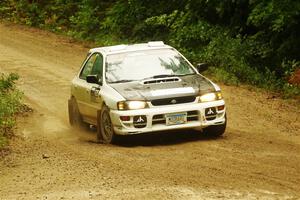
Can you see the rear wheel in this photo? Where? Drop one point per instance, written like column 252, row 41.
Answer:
column 215, row 130
column 75, row 118
column 105, row 129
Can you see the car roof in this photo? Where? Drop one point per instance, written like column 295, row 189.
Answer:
column 128, row 48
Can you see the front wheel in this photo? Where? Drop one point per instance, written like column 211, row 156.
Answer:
column 105, row 129
column 215, row 130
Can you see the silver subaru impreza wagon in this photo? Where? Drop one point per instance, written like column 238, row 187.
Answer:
column 140, row 88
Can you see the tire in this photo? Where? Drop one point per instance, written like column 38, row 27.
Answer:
column 215, row 130
column 75, row 118
column 105, row 130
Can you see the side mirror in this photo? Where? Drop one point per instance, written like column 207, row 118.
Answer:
column 93, row 79
column 201, row 67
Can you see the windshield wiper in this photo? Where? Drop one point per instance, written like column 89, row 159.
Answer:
column 185, row 74
column 160, row 76
column 122, row 81
column 167, row 75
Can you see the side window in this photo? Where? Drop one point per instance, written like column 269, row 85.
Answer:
column 87, row 69
column 98, row 66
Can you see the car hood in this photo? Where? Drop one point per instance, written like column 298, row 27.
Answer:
column 190, row 85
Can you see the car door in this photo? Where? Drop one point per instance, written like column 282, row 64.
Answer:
column 87, row 94
column 95, row 100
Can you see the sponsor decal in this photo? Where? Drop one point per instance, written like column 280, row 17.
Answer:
column 139, row 119
column 210, row 111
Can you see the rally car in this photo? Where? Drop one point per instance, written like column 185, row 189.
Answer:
column 140, row 88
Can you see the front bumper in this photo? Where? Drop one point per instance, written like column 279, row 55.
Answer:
column 156, row 121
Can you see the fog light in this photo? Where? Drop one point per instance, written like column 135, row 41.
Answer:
column 125, row 118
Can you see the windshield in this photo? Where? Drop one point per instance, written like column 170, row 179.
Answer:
column 145, row 64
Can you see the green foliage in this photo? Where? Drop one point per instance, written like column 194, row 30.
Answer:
column 86, row 22
column 289, row 67
column 9, row 104
column 220, row 74
column 276, row 27
column 290, row 90
column 255, row 42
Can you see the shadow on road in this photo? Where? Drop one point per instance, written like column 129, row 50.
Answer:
column 162, row 138
column 172, row 137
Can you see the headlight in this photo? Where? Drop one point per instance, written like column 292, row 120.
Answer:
column 211, row 96
column 131, row 105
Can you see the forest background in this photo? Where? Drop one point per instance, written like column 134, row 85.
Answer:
column 254, row 42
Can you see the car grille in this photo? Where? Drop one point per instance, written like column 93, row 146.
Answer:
column 172, row 101
column 161, row 119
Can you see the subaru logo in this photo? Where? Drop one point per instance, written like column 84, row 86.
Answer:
column 173, row 101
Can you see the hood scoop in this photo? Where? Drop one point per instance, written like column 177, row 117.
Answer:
column 161, row 80
column 165, row 88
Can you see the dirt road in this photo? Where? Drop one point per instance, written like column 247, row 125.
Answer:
column 258, row 157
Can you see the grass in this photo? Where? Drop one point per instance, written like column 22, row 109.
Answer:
column 266, row 81
column 10, row 103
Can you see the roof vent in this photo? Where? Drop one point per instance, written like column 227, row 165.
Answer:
column 156, row 44
column 118, row 47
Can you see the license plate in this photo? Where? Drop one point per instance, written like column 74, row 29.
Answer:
column 176, row 118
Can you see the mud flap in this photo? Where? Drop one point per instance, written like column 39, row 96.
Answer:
column 70, row 111
column 75, row 118
column 99, row 135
